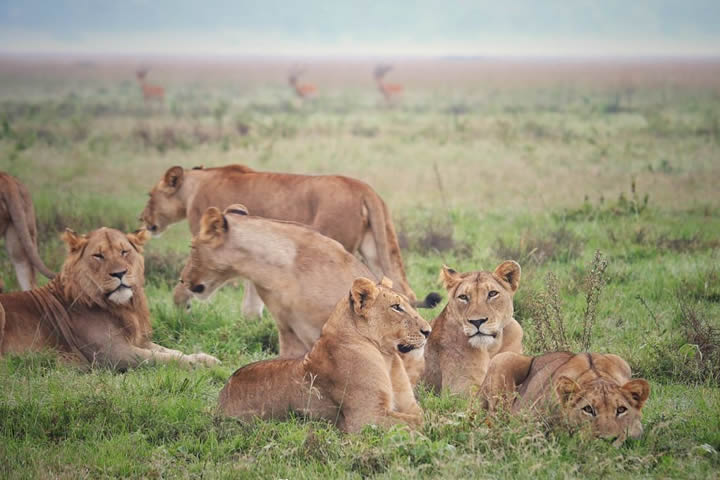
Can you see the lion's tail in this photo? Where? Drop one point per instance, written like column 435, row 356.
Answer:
column 20, row 222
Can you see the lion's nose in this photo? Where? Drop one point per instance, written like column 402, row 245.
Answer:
column 199, row 288
column 426, row 333
column 153, row 228
column 478, row 322
column 119, row 275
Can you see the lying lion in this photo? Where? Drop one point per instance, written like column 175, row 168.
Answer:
column 299, row 273
column 95, row 309
column 353, row 376
column 590, row 388
column 476, row 325
column 17, row 225
column 342, row 208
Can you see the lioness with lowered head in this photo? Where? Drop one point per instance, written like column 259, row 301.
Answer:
column 17, row 225
column 590, row 389
column 299, row 273
column 342, row 208
column 353, row 375
column 95, row 310
column 475, row 325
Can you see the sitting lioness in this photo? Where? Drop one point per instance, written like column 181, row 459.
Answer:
column 353, row 376
column 342, row 208
column 299, row 273
column 17, row 225
column 590, row 388
column 476, row 325
column 95, row 309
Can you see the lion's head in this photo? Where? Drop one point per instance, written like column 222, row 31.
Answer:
column 165, row 206
column 209, row 267
column 386, row 316
column 613, row 411
column 481, row 303
column 104, row 267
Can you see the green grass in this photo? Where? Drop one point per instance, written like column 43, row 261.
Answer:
column 541, row 174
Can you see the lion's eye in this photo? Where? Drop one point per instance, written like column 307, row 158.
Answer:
column 621, row 410
column 397, row 308
column 99, row 256
column 492, row 293
column 589, row 410
column 463, row 297
column 124, row 253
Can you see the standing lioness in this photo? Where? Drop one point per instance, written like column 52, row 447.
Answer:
column 342, row 208
column 17, row 225
column 590, row 389
column 475, row 325
column 353, row 376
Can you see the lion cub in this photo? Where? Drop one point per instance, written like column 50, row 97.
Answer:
column 476, row 325
column 352, row 376
column 590, row 388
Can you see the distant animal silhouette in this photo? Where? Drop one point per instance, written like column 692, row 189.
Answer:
column 302, row 90
column 150, row 92
column 389, row 90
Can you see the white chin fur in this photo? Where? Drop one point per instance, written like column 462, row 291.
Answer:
column 416, row 353
column 122, row 296
column 479, row 341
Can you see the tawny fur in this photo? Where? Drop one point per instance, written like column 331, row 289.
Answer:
column 353, row 376
column 458, row 352
column 590, row 389
column 17, row 226
column 94, row 310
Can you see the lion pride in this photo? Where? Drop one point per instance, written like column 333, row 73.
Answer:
column 95, row 310
column 342, row 208
column 17, row 225
column 352, row 376
column 590, row 388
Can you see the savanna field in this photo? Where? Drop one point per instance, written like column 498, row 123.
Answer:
column 601, row 179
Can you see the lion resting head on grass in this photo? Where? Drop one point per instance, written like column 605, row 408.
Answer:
column 352, row 376
column 591, row 389
column 94, row 310
column 476, row 325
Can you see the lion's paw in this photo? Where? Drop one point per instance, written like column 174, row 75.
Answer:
column 203, row 359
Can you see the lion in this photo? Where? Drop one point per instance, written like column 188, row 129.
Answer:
column 353, row 376
column 475, row 325
column 17, row 225
column 95, row 310
column 590, row 389
column 342, row 208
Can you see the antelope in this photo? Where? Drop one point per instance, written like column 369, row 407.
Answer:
column 150, row 92
column 304, row 90
column 389, row 90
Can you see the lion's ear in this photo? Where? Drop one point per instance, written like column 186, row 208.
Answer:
column 386, row 282
column 565, row 388
column 213, row 224
column 236, row 209
column 509, row 272
column 73, row 241
column 449, row 277
column 174, row 177
column 138, row 238
column 362, row 295
column 638, row 390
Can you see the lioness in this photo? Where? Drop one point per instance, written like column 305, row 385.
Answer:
column 17, row 225
column 589, row 387
column 299, row 273
column 342, row 208
column 476, row 325
column 95, row 309
column 353, row 376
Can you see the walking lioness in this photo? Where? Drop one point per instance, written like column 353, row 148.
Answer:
column 342, row 208
column 95, row 309
column 353, row 376
column 17, row 225
column 590, row 388
column 299, row 273
column 476, row 325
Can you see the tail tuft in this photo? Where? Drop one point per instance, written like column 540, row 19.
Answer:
column 430, row 301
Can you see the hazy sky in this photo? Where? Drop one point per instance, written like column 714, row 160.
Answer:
column 336, row 27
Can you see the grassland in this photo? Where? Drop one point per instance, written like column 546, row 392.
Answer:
column 480, row 161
